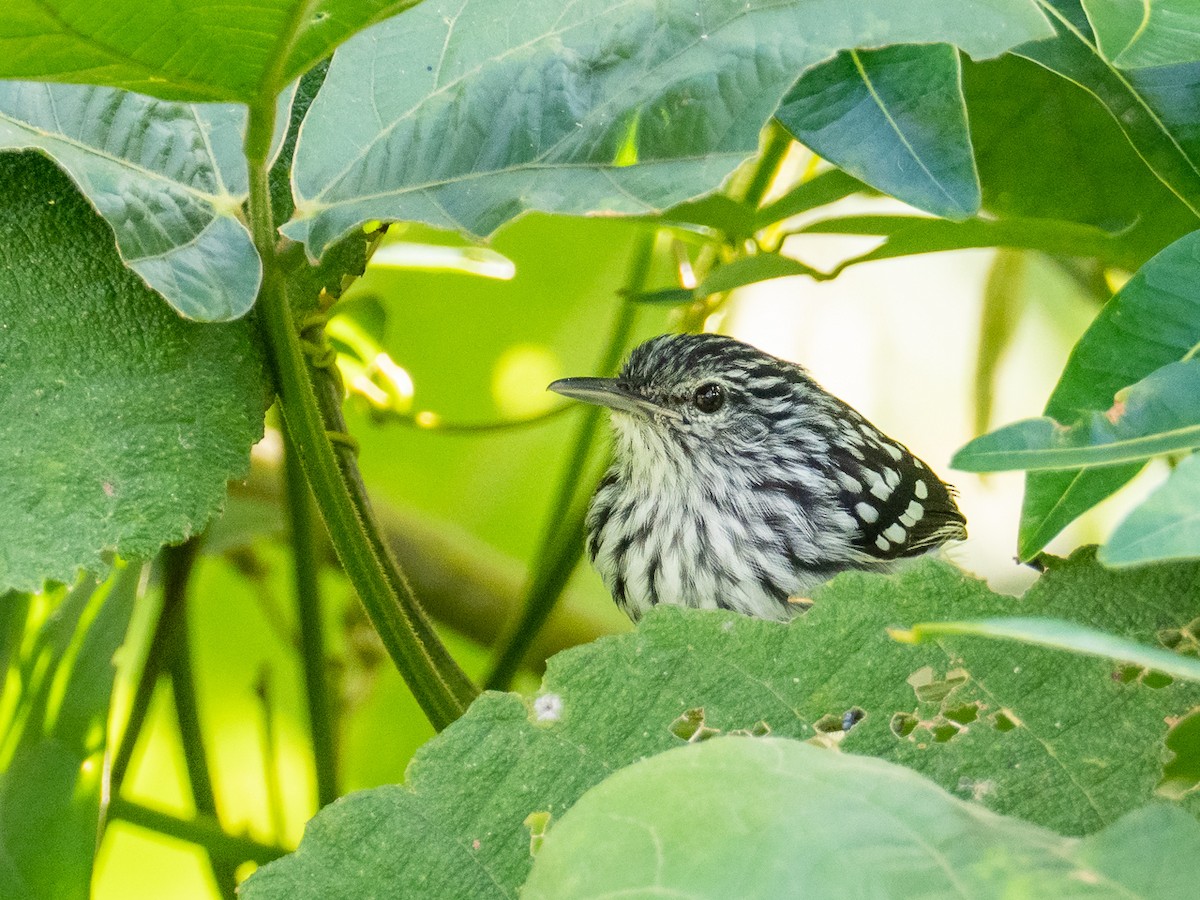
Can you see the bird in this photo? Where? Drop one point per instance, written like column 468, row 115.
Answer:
column 738, row 483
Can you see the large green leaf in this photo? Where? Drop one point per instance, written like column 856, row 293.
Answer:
column 1166, row 525
column 1157, row 108
column 169, row 178
column 119, row 422
column 1047, row 149
column 894, row 118
column 476, row 116
column 184, row 50
column 757, row 817
column 1158, row 415
column 1135, row 34
column 52, row 745
column 1154, row 320
column 1048, row 737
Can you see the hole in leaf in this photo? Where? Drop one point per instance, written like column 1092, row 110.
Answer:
column 828, row 724
column 1182, row 773
column 930, row 689
column 1156, row 680
column 758, row 729
column 852, row 717
column 903, row 724
column 1003, row 721
column 1148, row 677
column 963, row 715
column 691, row 728
column 537, row 823
column 944, row 731
column 1127, row 674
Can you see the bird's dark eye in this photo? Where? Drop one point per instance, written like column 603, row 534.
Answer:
column 709, row 397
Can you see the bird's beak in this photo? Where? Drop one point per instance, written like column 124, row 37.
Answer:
column 608, row 392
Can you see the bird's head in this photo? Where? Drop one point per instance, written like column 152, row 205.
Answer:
column 705, row 392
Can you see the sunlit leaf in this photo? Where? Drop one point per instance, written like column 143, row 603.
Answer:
column 1166, row 525
column 751, row 269
column 1135, row 34
column 478, row 116
column 894, row 118
column 119, row 422
column 52, row 751
column 755, row 817
column 981, row 721
column 827, row 187
column 184, row 50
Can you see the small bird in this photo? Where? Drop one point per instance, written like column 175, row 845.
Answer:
column 738, row 483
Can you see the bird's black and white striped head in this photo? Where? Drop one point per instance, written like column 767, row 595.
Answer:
column 738, row 454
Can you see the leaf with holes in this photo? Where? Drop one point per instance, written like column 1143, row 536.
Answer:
column 478, row 116
column 757, row 817
column 1134, row 34
column 894, row 118
column 245, row 50
column 120, row 423
column 1035, row 733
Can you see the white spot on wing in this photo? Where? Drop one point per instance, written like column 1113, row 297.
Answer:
column 895, row 532
column 893, row 451
column 920, row 489
column 882, row 543
column 849, row 482
column 866, row 512
column 915, row 510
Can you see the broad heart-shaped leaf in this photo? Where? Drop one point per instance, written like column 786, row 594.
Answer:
column 52, row 756
column 1154, row 320
column 245, row 50
column 119, row 422
column 169, row 178
column 1047, row 736
column 474, row 116
column 755, row 818
column 1166, row 525
column 1158, row 415
column 1157, row 108
column 1134, row 34
column 894, row 118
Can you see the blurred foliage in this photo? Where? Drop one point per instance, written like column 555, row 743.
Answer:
column 174, row 727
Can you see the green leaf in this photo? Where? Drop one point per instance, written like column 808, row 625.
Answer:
column 1160, row 414
column 169, row 178
column 478, row 116
column 1003, row 305
column 1047, row 149
column 52, row 752
column 752, row 269
column 1158, row 109
column 119, row 422
column 1166, row 525
column 1135, row 34
column 247, row 50
column 756, row 817
column 1154, row 320
column 894, row 118
column 827, row 187
column 1063, row 636
column 980, row 720
column 910, row 235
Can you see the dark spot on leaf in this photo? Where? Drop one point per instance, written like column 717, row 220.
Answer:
column 963, row 715
column 691, row 728
column 944, row 731
column 1003, row 722
column 903, row 724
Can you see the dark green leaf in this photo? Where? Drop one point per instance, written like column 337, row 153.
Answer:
column 479, row 116
column 119, row 422
column 980, row 720
column 894, row 118
column 1158, row 109
column 751, row 269
column 1154, row 320
column 52, row 759
column 184, row 50
column 1158, row 415
column 1134, row 34
column 827, row 187
column 756, row 817
column 1166, row 525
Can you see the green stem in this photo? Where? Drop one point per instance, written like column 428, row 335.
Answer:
column 306, row 557
column 270, row 760
column 563, row 540
column 767, row 167
column 438, row 684
column 177, row 571
column 202, row 830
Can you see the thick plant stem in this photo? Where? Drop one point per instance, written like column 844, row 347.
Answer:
column 562, row 543
column 306, row 559
column 438, row 684
column 201, row 830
